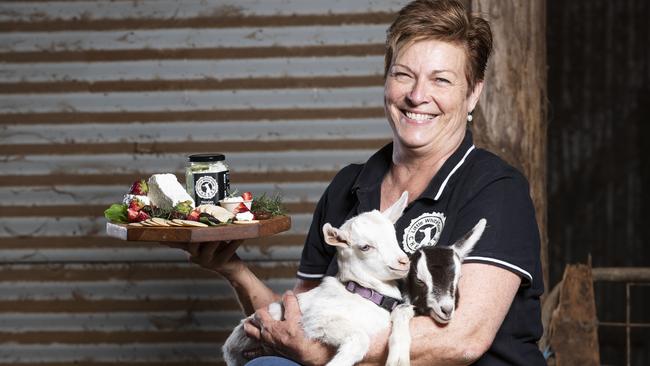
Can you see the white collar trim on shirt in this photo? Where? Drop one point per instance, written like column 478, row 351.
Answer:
column 444, row 183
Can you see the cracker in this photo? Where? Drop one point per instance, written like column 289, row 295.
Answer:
column 191, row 223
column 136, row 224
column 160, row 222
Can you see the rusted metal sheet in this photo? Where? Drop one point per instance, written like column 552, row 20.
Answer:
column 96, row 94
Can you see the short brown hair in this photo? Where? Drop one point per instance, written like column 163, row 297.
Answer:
column 444, row 20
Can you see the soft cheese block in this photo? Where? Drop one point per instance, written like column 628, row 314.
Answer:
column 166, row 192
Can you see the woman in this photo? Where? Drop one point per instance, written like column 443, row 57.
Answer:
column 435, row 63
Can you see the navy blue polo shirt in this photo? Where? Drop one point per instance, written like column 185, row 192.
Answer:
column 472, row 184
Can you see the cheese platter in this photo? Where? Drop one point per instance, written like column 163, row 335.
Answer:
column 193, row 234
column 160, row 209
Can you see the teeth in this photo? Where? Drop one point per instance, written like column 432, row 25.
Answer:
column 418, row 116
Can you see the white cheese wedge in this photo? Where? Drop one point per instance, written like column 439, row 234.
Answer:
column 166, row 192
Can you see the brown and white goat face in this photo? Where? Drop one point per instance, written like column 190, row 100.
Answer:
column 432, row 283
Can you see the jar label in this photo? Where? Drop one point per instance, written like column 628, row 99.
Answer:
column 209, row 188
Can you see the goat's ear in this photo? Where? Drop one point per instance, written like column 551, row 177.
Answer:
column 395, row 211
column 465, row 244
column 335, row 237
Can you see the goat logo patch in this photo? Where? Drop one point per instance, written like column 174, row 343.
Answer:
column 423, row 231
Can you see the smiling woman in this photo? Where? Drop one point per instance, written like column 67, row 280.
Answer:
column 436, row 55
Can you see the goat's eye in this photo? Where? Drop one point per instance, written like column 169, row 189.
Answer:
column 365, row 248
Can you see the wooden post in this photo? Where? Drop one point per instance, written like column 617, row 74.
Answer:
column 573, row 330
column 510, row 119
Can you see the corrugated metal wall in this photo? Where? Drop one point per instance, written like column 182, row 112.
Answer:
column 96, row 94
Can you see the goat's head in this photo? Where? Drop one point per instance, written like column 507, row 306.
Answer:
column 433, row 279
column 367, row 245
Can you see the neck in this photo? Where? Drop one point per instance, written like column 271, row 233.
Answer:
column 430, row 156
column 413, row 169
column 386, row 288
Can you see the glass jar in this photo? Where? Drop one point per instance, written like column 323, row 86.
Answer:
column 207, row 178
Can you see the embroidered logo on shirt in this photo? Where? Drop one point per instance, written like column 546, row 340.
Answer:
column 423, row 231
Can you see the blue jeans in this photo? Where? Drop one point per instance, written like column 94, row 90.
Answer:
column 271, row 361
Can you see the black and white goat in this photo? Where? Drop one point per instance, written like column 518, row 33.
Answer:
column 431, row 289
column 348, row 310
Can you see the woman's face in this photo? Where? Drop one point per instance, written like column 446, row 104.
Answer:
column 425, row 96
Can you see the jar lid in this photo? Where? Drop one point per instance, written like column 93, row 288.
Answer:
column 206, row 157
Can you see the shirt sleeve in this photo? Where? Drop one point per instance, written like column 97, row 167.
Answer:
column 316, row 255
column 511, row 237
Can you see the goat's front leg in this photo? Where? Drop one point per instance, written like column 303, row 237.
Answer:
column 354, row 346
column 399, row 341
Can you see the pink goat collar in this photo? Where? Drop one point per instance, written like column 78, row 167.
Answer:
column 385, row 302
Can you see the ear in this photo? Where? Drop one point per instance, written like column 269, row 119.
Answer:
column 465, row 245
column 335, row 237
column 472, row 99
column 395, row 211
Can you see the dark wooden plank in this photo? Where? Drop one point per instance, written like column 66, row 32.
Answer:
column 573, row 329
column 262, row 228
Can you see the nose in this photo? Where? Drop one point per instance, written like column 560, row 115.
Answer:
column 404, row 261
column 418, row 93
column 447, row 309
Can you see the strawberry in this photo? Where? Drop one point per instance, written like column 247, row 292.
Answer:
column 139, row 187
column 131, row 215
column 247, row 196
column 136, row 204
column 241, row 207
column 193, row 216
column 142, row 216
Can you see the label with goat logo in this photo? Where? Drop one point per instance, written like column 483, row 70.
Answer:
column 423, row 231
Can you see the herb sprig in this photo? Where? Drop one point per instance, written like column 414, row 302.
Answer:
column 270, row 205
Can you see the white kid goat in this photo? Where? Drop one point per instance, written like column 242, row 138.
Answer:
column 348, row 310
column 431, row 289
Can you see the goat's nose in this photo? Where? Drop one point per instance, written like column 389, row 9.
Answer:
column 447, row 309
column 404, row 260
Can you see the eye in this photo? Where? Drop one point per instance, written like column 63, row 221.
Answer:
column 443, row 81
column 400, row 75
column 365, row 247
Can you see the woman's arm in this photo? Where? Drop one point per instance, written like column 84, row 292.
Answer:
column 485, row 295
column 220, row 257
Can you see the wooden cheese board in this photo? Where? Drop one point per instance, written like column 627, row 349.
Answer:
column 186, row 234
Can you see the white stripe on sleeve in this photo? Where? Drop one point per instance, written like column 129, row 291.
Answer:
column 503, row 263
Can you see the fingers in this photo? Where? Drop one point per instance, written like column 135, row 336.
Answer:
column 261, row 326
column 206, row 255
column 291, row 306
column 252, row 330
column 262, row 316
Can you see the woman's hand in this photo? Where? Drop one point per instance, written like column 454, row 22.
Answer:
column 286, row 336
column 218, row 256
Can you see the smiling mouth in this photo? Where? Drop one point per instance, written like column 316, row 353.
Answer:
column 420, row 117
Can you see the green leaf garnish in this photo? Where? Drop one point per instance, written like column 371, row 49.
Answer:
column 116, row 213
